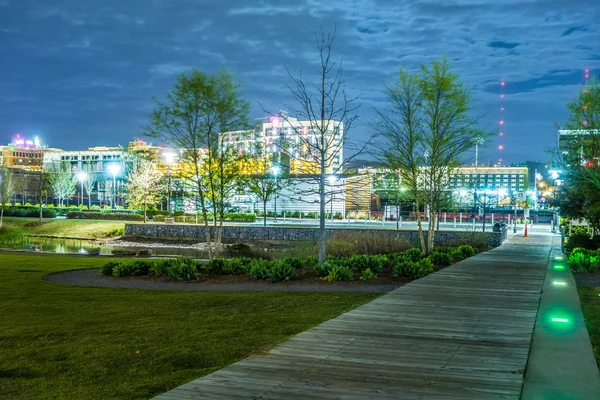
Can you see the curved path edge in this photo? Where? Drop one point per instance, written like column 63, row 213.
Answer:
column 90, row 277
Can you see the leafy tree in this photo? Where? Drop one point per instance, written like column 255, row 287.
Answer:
column 143, row 186
column 7, row 189
column 192, row 116
column 62, row 183
column 579, row 195
column 264, row 184
column 426, row 131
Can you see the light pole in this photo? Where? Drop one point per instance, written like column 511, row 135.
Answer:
column 275, row 171
column 114, row 170
column 82, row 176
column 169, row 158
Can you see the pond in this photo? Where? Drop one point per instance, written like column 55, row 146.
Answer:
column 74, row 246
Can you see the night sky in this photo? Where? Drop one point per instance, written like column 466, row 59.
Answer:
column 82, row 73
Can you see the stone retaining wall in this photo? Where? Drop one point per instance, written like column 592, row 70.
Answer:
column 241, row 233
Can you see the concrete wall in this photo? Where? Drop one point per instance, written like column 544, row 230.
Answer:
column 241, row 233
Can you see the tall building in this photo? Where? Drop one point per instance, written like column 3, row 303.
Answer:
column 23, row 153
column 288, row 141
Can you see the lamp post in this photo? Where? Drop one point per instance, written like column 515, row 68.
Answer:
column 82, row 176
column 114, row 170
column 169, row 158
column 275, row 171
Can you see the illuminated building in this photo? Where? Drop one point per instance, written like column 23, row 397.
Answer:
column 286, row 140
column 23, row 153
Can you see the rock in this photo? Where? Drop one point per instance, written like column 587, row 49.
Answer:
column 144, row 253
column 123, row 252
column 95, row 251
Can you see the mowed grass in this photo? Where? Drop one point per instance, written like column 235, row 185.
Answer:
column 590, row 305
column 83, row 229
column 66, row 342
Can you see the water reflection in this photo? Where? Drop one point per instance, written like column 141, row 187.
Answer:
column 72, row 246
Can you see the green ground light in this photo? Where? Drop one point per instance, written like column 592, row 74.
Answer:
column 559, row 267
column 559, row 283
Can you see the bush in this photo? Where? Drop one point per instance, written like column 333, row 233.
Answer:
column 339, row 248
column 235, row 266
column 414, row 253
column 339, row 274
column 31, row 212
column 322, row 269
column 412, row 269
column 441, row 259
column 474, row 239
column 125, row 269
column 281, row 271
column 457, row 255
column 293, row 262
column 362, row 262
column 107, row 269
column 159, row 268
column 144, row 266
column 182, row 270
column 582, row 260
column 216, row 266
column 311, row 261
column 104, row 216
column 370, row 243
column 582, row 241
column 467, row 250
column 258, row 269
column 367, row 275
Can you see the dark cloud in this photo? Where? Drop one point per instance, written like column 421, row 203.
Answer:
column 503, row 45
column 573, row 29
column 81, row 75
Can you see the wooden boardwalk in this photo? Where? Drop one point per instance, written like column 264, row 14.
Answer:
column 461, row 333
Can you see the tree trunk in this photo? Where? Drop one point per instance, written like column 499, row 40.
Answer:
column 431, row 234
column 1, row 215
column 420, row 227
column 145, row 215
column 89, row 201
column 322, row 234
column 397, row 217
column 265, row 213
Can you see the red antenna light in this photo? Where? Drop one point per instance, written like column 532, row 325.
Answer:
column 501, row 96
column 585, row 107
column 500, row 147
column 502, row 84
column 584, row 122
column 502, row 109
column 501, row 122
column 501, row 134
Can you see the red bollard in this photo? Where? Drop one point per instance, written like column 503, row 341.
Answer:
column 526, row 234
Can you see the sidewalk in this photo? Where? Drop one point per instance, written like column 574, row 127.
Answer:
column 461, row 333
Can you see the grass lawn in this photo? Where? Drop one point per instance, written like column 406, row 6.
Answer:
column 590, row 304
column 84, row 229
column 65, row 342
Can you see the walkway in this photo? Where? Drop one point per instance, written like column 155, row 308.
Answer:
column 461, row 333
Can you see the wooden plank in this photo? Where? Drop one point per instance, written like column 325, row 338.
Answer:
column 461, row 333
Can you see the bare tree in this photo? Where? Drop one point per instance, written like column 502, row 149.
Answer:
column 62, row 183
column 330, row 114
column 268, row 179
column 89, row 185
column 7, row 189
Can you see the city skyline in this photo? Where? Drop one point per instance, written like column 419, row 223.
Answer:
column 79, row 77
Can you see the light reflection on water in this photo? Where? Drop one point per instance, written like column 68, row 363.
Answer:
column 73, row 246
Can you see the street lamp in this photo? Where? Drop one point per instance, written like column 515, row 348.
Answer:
column 114, row 170
column 169, row 158
column 82, row 176
column 275, row 171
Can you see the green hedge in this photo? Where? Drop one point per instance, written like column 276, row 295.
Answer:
column 191, row 218
column 584, row 260
column 409, row 264
column 104, row 216
column 32, row 212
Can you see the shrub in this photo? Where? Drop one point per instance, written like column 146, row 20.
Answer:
column 457, row 255
column 235, row 266
column 414, row 253
column 216, row 266
column 281, row 271
column 144, row 266
column 107, row 268
column 182, row 270
column 339, row 248
column 31, row 212
column 367, row 275
column 293, row 262
column 412, row 269
column 339, row 274
column 370, row 243
column 582, row 241
column 441, row 258
column 12, row 235
column 159, row 268
column 311, row 261
column 467, row 250
column 472, row 238
column 362, row 262
column 258, row 269
column 125, row 269
column 583, row 260
column 105, row 216
column 322, row 269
